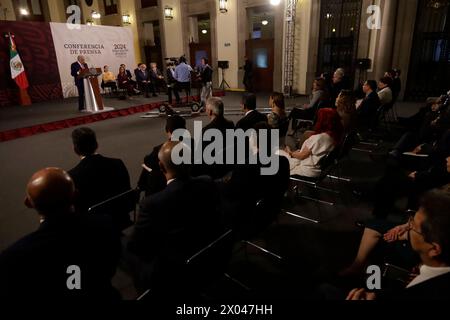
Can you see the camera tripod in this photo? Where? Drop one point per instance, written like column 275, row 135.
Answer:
column 224, row 83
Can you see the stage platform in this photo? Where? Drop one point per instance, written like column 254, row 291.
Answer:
column 20, row 121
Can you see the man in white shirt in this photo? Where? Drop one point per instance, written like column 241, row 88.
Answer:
column 429, row 234
column 384, row 90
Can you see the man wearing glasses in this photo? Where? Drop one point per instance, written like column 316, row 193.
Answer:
column 429, row 234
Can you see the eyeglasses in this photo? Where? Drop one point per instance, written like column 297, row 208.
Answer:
column 411, row 227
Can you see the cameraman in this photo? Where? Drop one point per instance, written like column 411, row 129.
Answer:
column 182, row 75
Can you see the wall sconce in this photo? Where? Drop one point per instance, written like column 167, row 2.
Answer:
column 24, row 12
column 168, row 13
column 223, row 6
column 126, row 19
column 96, row 15
column 89, row 22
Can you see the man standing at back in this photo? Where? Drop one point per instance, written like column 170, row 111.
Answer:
column 76, row 69
column 98, row 178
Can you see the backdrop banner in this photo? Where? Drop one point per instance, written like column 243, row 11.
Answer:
column 101, row 45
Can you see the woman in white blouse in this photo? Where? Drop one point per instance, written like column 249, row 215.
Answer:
column 327, row 135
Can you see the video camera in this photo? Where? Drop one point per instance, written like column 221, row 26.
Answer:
column 170, row 62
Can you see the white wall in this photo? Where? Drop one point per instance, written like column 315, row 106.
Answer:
column 173, row 31
column 227, row 42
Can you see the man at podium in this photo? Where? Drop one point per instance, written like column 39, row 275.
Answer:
column 76, row 68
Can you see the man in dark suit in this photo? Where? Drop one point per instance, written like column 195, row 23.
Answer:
column 76, row 68
column 368, row 109
column 252, row 117
column 215, row 111
column 98, row 178
column 66, row 250
column 429, row 235
column 152, row 180
column 144, row 80
column 174, row 223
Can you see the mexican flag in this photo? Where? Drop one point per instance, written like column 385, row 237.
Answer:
column 17, row 68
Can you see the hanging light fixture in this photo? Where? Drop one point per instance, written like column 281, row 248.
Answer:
column 126, row 19
column 265, row 22
column 204, row 31
column 168, row 13
column 223, row 6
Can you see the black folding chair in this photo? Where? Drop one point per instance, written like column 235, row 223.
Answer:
column 124, row 202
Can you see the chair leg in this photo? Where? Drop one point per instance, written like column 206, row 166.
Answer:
column 263, row 249
column 301, row 217
column 240, row 284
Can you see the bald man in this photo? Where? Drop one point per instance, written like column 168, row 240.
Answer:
column 38, row 265
column 176, row 222
column 75, row 70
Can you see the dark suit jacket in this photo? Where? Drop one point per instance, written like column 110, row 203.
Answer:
column 35, row 267
column 437, row 288
column 174, row 223
column 142, row 76
column 250, row 120
column 367, row 112
column 216, row 171
column 155, row 181
column 74, row 68
column 97, row 179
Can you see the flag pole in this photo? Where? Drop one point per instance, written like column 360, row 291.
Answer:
column 24, row 97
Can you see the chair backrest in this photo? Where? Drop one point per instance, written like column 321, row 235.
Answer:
column 124, row 202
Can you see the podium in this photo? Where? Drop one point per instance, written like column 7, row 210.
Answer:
column 92, row 97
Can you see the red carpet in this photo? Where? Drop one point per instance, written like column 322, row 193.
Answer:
column 72, row 122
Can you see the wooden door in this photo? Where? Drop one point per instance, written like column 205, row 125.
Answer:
column 199, row 51
column 261, row 53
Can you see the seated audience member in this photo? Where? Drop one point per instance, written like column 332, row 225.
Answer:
column 339, row 82
column 252, row 116
column 346, row 108
column 246, row 186
column 384, row 90
column 413, row 180
column 175, row 223
column 37, row 267
column 327, row 135
column 156, row 76
column 368, row 107
column 277, row 118
column 144, row 81
column 319, row 98
column 215, row 111
column 125, row 83
column 128, row 72
column 429, row 235
column 152, row 179
column 98, row 178
column 108, row 79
